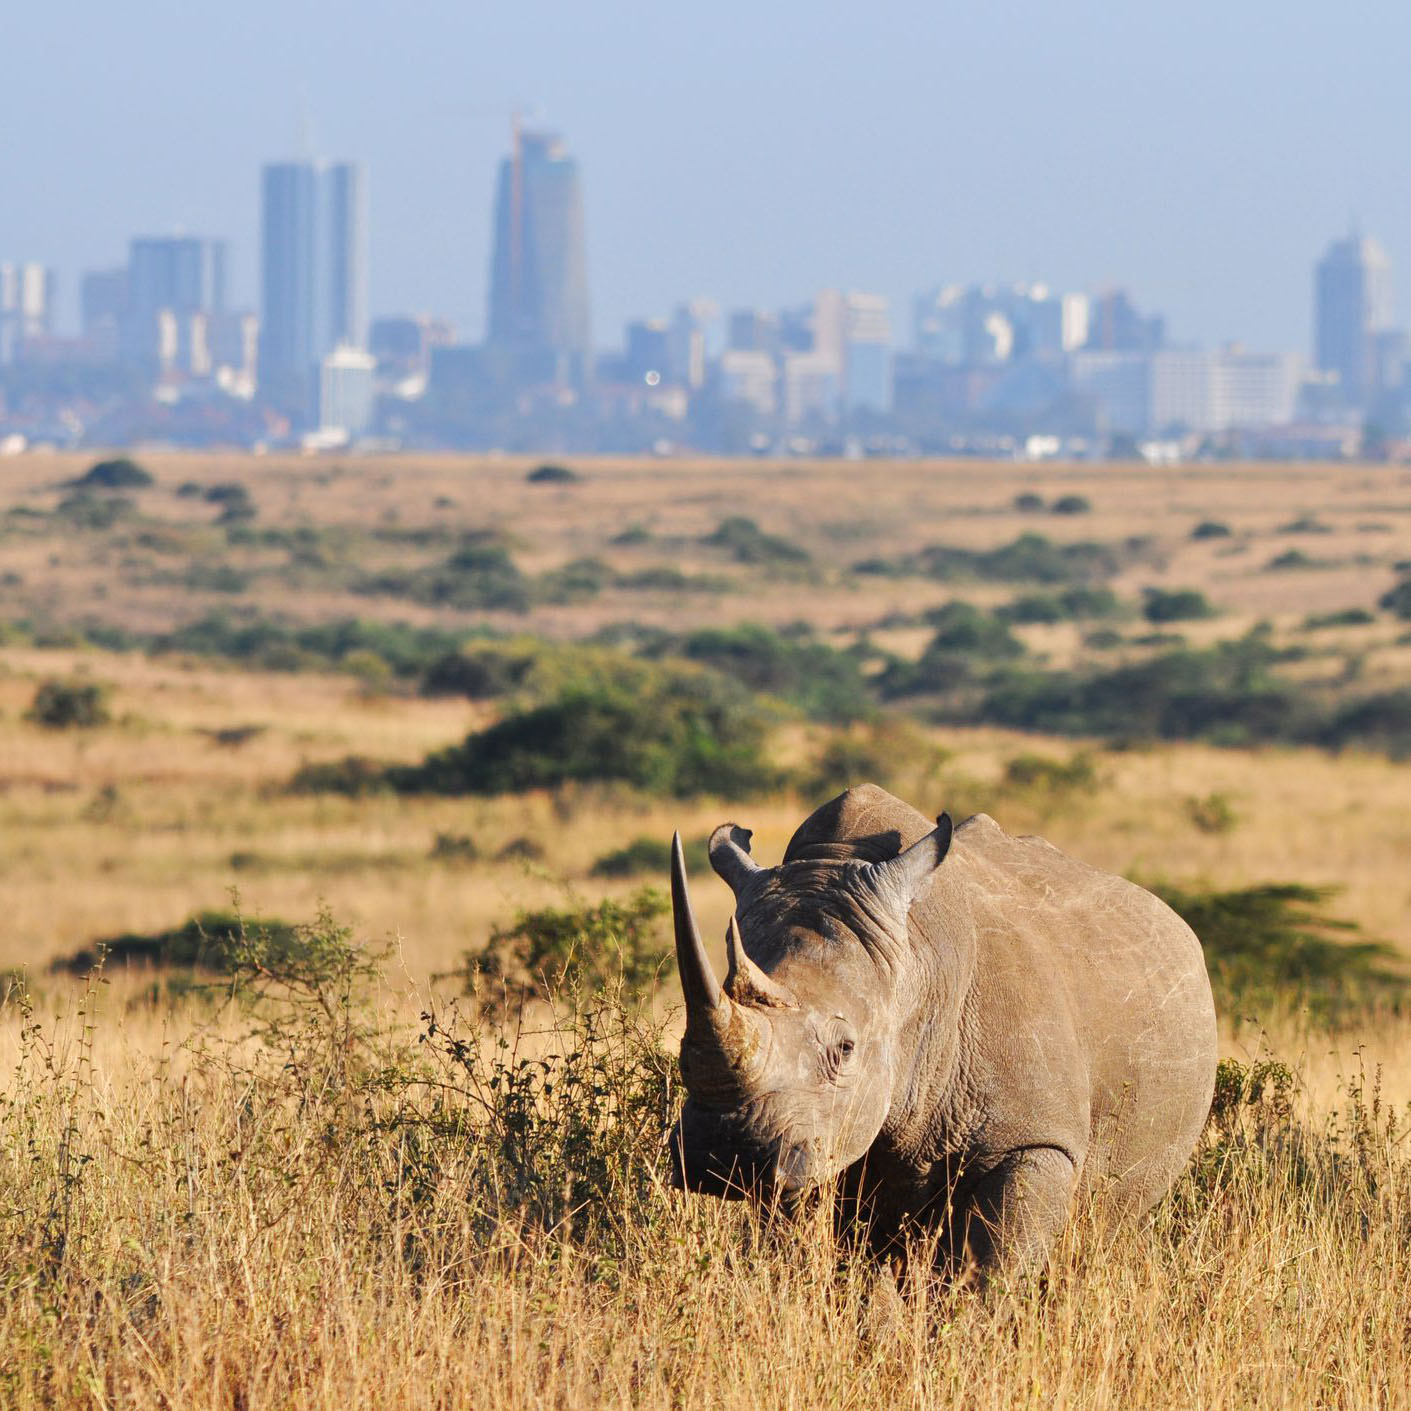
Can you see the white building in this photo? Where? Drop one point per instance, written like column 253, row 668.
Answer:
column 749, row 376
column 812, row 386
column 26, row 306
column 347, row 397
column 1229, row 390
column 1119, row 385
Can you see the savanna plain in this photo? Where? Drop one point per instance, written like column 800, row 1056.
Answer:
column 337, row 1004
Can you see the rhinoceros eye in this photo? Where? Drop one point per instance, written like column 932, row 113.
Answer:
column 837, row 1056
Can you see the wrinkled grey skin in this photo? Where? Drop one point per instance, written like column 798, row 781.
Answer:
column 963, row 1035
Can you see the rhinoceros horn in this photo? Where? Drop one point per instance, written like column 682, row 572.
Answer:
column 725, row 1033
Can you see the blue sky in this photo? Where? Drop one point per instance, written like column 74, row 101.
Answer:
column 1201, row 154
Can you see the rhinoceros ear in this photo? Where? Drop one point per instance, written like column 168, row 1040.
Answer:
column 908, row 874
column 730, row 855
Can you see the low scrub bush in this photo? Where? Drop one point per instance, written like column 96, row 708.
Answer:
column 1161, row 605
column 649, row 854
column 69, row 705
column 1054, row 777
column 1397, row 600
column 746, row 542
column 1211, row 529
column 1031, row 558
column 823, row 682
column 664, row 730
column 1275, row 946
column 1071, row 504
column 550, row 474
column 1071, row 605
column 354, row 776
column 119, row 473
column 573, row 953
column 1347, row 617
column 219, row 941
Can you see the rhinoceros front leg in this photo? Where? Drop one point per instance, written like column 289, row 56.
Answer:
column 1015, row 1212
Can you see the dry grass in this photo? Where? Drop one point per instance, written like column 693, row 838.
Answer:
column 195, row 1216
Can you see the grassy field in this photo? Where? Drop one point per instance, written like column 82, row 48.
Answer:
column 330, row 1182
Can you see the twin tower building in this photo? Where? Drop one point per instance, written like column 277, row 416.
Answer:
column 314, row 270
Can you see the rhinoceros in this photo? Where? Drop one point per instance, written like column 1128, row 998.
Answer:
column 955, row 1030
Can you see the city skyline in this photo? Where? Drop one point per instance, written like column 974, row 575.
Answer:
column 758, row 157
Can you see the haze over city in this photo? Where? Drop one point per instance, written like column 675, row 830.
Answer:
column 1198, row 154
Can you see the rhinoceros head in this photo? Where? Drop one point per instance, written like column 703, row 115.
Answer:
column 790, row 1064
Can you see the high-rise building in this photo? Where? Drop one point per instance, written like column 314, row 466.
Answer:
column 170, row 281
column 26, row 307
column 539, row 271
column 1352, row 298
column 103, row 310
column 313, row 276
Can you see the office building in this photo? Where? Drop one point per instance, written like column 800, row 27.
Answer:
column 26, row 307
column 347, row 393
column 539, row 272
column 103, row 310
column 172, row 282
column 313, row 275
column 1352, row 297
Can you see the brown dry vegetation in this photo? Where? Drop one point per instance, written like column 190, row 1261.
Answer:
column 208, row 1200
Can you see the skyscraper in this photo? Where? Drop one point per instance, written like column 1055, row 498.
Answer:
column 26, row 306
column 313, row 272
column 170, row 278
column 1352, row 302
column 539, row 271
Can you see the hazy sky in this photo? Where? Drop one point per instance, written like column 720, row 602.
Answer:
column 1200, row 153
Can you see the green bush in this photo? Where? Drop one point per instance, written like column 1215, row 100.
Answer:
column 1211, row 529
column 1028, row 502
column 1175, row 605
column 1275, row 945
column 1397, row 601
column 1072, row 504
column 666, row 731
column 69, row 705
column 963, row 629
column 85, row 510
column 1031, row 558
column 354, row 776
column 553, row 475
column 478, row 674
column 1071, row 605
column 1381, row 721
column 120, row 473
column 747, row 543
column 648, row 854
column 1213, row 813
column 1347, row 617
column 572, row 953
column 824, row 683
column 480, row 575
column 1038, row 773
column 575, row 582
column 210, row 940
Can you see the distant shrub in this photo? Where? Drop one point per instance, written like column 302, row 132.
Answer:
column 1213, row 813
column 574, row 582
column 646, row 854
column 69, row 705
column 665, row 578
column 85, row 510
column 1031, row 558
column 120, row 473
column 576, row 953
column 1211, row 529
column 964, row 629
column 1028, row 502
column 1305, row 524
column 1103, row 640
column 1275, row 945
column 1226, row 694
column 210, row 940
column 825, row 683
column 1073, row 604
column 1380, row 722
column 521, row 849
column 479, row 673
column 665, row 731
column 1052, row 776
column 1348, row 617
column 1397, row 600
column 237, row 506
column 354, row 776
column 1175, row 605
column 553, row 475
column 633, row 534
column 479, row 575
column 1293, row 559
column 454, row 848
column 747, row 543
column 1071, row 504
